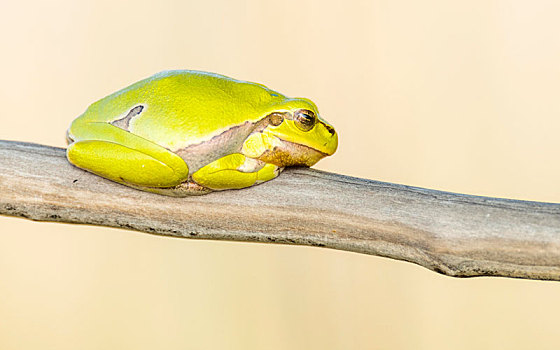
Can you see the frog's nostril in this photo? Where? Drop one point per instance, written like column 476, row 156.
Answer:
column 330, row 129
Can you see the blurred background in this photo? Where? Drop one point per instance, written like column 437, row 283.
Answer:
column 457, row 96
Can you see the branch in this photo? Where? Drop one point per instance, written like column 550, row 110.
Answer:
column 453, row 234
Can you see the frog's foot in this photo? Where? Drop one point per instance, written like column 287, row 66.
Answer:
column 184, row 189
column 235, row 171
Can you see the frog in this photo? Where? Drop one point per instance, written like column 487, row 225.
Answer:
column 188, row 132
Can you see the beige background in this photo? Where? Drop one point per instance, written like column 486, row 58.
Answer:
column 454, row 95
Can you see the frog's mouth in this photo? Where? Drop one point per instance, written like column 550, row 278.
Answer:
column 292, row 154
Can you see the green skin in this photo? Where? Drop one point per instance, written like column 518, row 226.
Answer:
column 187, row 132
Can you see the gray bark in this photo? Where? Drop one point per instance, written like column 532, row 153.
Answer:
column 453, row 234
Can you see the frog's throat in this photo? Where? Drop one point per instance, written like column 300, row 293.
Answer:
column 288, row 153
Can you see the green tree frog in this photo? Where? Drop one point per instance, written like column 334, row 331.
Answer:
column 187, row 132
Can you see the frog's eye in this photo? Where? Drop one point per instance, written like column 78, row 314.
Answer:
column 276, row 118
column 305, row 119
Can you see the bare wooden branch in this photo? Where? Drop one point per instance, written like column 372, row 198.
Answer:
column 453, row 234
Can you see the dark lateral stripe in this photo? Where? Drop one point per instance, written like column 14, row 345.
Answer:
column 124, row 123
column 228, row 142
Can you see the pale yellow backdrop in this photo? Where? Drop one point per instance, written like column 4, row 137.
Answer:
column 454, row 95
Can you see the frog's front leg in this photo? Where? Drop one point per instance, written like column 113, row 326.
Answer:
column 235, row 171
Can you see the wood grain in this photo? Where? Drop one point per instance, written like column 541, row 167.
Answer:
column 453, row 234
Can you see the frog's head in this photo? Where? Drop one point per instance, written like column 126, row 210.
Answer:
column 296, row 135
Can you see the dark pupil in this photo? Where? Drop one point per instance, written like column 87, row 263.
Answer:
column 306, row 119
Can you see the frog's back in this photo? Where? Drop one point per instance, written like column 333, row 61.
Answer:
column 180, row 108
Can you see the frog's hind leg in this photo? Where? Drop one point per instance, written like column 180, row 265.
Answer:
column 126, row 158
column 121, row 164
